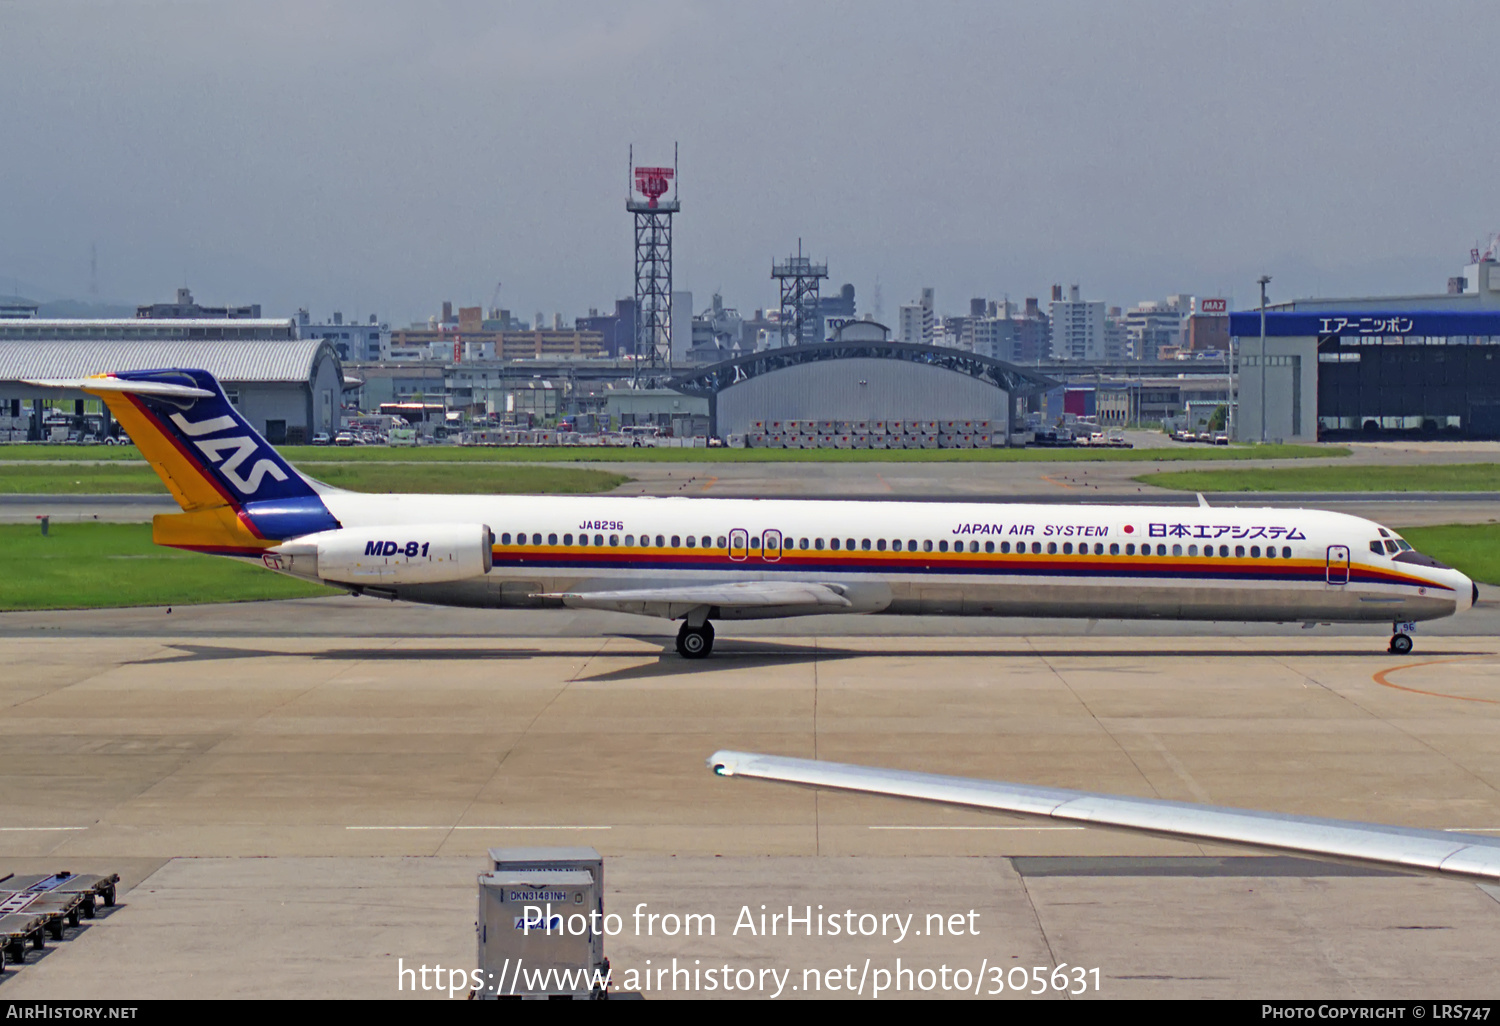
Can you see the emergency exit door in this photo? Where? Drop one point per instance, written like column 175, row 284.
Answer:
column 770, row 546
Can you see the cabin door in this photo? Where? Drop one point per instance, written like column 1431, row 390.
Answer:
column 1338, row 564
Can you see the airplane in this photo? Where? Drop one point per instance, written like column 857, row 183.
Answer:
column 699, row 560
column 1435, row 851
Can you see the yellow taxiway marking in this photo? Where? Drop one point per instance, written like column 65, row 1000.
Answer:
column 1383, row 678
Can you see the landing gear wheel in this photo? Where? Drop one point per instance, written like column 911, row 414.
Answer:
column 1400, row 644
column 695, row 642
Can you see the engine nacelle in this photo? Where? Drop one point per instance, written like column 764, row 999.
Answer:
column 396, row 554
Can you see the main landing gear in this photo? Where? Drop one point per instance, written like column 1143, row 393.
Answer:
column 695, row 642
column 1401, row 638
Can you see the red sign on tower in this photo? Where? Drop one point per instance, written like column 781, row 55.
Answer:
column 1214, row 306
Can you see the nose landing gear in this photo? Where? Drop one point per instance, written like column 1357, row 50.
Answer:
column 1401, row 638
column 695, row 642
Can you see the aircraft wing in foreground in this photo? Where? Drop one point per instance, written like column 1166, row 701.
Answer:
column 1436, row 850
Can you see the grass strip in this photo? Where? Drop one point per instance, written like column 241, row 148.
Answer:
column 1431, row 477
column 1471, row 548
column 438, row 478
column 87, row 566
column 608, row 454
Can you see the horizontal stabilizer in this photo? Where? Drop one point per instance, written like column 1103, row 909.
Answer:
column 1437, row 850
column 678, row 601
column 166, row 389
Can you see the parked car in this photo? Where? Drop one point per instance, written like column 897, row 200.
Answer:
column 344, row 438
column 321, row 438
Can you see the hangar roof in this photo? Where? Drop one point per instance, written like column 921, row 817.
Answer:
column 1007, row 376
column 291, row 360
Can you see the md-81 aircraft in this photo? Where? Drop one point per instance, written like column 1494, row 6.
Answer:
column 700, row 560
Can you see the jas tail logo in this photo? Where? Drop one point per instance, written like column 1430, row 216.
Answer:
column 239, row 447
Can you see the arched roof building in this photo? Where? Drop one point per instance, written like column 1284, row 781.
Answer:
column 860, row 380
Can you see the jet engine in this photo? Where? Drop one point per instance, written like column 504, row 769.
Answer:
column 395, row 554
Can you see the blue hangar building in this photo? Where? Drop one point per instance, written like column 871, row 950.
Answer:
column 1372, row 368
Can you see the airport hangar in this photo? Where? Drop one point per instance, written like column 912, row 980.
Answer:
column 862, row 377
column 289, row 389
column 1373, row 367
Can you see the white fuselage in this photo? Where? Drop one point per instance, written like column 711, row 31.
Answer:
column 993, row 559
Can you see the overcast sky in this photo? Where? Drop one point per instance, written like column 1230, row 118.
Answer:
column 382, row 157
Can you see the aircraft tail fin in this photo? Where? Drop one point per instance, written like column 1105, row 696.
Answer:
column 205, row 452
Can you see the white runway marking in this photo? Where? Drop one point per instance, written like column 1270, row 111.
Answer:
column 460, row 828
column 25, row 829
column 978, row 828
column 1471, row 830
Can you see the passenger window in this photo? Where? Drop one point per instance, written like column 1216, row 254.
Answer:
column 1098, row 548
column 1036, row 548
column 1005, row 547
column 1239, row 552
column 1176, row 550
column 707, row 541
column 879, row 545
column 818, row 543
column 614, row 539
column 865, row 544
column 505, row 538
column 754, row 542
column 567, row 539
column 1051, row 548
column 536, row 539
column 551, row 539
column 911, row 545
column 1192, row 550
column 661, row 542
column 691, row 542
column 834, row 544
column 1224, row 551
column 943, row 546
column 583, row 539
column 1286, row 552
column 989, row 546
column 1114, row 548
column 1130, row 548
column 849, row 544
column 676, row 542
column 630, row 541
column 1067, row 548
column 598, row 539
column 1161, row 550
column 927, row 545
column 802, row 543
column 1255, row 551
column 723, row 542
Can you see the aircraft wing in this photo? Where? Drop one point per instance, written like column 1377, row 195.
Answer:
column 1438, row 850
column 675, row 601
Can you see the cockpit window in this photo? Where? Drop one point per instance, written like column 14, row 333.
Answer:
column 1383, row 532
column 1403, row 546
column 1391, row 547
column 1377, row 548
